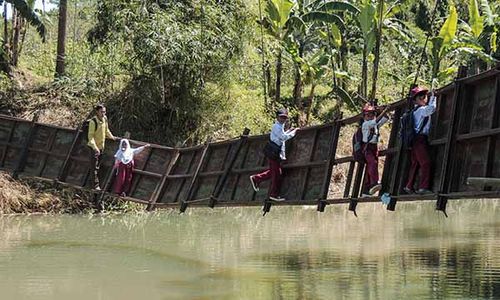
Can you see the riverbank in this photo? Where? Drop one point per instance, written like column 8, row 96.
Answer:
column 32, row 196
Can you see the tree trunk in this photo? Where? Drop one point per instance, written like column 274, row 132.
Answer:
column 310, row 99
column 277, row 95
column 5, row 26
column 378, row 41
column 345, row 67
column 15, row 40
column 4, row 57
column 297, row 94
column 270, row 89
column 61, row 38
column 23, row 36
column 364, row 73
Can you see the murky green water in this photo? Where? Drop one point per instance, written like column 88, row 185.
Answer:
column 292, row 253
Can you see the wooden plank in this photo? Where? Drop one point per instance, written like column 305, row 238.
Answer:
column 243, row 160
column 146, row 173
column 478, row 134
column 136, row 182
column 184, row 202
column 484, row 181
column 391, row 107
column 78, row 133
column 400, row 164
column 331, row 162
column 449, row 151
column 7, row 144
column 348, row 182
column 492, row 140
column 219, row 187
column 24, row 153
column 358, row 180
column 181, row 186
column 159, row 188
column 50, row 144
column 309, row 159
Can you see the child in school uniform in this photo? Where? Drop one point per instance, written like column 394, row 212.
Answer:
column 124, row 165
column 370, row 130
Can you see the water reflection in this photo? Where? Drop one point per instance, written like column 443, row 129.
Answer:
column 235, row 253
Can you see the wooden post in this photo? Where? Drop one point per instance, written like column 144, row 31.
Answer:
column 449, row 150
column 331, row 162
column 159, row 188
column 353, row 202
column 492, row 140
column 219, row 187
column 24, row 152
column 400, row 163
column 184, row 203
column 393, row 140
column 63, row 173
column 9, row 139
column 348, row 182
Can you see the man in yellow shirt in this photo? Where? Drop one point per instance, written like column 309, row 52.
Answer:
column 98, row 131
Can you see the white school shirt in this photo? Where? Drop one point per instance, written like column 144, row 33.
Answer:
column 279, row 136
column 424, row 111
column 368, row 125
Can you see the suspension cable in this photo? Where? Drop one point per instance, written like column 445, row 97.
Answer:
column 263, row 53
column 422, row 55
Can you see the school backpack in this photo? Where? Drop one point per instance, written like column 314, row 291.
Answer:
column 85, row 128
column 407, row 131
column 358, row 146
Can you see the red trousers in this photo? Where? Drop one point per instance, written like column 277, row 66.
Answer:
column 274, row 173
column 371, row 166
column 420, row 160
column 123, row 179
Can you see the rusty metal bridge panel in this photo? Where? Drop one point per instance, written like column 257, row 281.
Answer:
column 464, row 143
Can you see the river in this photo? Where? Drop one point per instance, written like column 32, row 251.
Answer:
column 236, row 253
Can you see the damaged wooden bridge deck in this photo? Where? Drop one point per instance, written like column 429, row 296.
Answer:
column 464, row 143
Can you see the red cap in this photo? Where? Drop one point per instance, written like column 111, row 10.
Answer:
column 417, row 91
column 368, row 108
column 283, row 112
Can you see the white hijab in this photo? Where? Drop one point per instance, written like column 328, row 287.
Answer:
column 127, row 155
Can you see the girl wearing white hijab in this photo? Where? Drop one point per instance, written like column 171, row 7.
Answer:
column 124, row 165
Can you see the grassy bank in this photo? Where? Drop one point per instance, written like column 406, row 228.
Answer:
column 32, row 196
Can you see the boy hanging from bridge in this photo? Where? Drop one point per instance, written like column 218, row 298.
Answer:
column 419, row 142
column 275, row 153
column 370, row 129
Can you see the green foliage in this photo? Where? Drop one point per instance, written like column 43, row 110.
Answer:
column 475, row 20
column 177, row 72
column 26, row 11
column 175, row 49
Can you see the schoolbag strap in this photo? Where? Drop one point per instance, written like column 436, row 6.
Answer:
column 424, row 122
column 94, row 119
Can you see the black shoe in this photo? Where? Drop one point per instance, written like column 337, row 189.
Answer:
column 408, row 190
column 424, row 192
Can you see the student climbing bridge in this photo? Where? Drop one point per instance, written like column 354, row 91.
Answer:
column 464, row 140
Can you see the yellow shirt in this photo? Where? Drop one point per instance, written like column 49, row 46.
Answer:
column 97, row 136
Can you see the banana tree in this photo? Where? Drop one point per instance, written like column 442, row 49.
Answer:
column 313, row 69
column 331, row 19
column 366, row 19
column 23, row 13
column 397, row 32
column 447, row 45
column 275, row 22
column 481, row 30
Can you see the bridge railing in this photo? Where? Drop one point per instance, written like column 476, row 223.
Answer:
column 464, row 142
